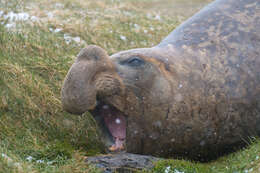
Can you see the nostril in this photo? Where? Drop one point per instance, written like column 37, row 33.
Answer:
column 92, row 52
column 107, row 85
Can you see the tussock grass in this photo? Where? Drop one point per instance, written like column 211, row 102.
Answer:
column 36, row 135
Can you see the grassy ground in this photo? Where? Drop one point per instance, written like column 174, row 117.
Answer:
column 38, row 42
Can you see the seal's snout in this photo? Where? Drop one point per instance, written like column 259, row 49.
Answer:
column 92, row 52
column 78, row 91
column 93, row 78
column 92, row 75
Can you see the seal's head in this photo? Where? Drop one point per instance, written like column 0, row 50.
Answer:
column 126, row 93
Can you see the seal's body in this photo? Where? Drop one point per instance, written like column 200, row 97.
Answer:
column 196, row 94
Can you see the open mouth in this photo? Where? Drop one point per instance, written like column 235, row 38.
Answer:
column 113, row 126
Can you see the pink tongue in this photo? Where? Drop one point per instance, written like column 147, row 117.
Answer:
column 116, row 125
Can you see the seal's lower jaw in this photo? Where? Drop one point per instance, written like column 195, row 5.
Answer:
column 113, row 126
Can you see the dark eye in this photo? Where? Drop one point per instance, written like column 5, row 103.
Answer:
column 134, row 62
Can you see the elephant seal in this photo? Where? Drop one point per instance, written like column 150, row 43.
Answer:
column 194, row 95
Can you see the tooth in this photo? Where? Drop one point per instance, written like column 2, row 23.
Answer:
column 118, row 121
column 105, row 107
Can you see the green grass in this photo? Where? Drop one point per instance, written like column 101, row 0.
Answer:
column 36, row 135
column 244, row 161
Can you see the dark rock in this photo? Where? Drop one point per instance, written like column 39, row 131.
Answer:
column 122, row 162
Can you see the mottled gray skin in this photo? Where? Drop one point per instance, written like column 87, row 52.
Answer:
column 197, row 95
